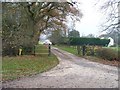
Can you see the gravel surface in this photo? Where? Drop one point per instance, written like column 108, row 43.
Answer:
column 71, row 72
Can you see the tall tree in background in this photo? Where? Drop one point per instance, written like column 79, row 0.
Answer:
column 74, row 33
column 56, row 37
column 90, row 36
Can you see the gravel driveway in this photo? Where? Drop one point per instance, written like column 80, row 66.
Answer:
column 71, row 72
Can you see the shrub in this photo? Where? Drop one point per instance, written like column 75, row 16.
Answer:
column 10, row 51
column 90, row 50
column 28, row 50
column 106, row 53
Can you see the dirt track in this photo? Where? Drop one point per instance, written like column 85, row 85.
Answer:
column 71, row 72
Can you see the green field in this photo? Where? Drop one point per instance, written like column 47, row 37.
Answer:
column 71, row 49
column 19, row 66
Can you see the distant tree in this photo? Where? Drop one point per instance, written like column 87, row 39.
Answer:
column 90, row 35
column 74, row 33
column 111, row 11
column 56, row 37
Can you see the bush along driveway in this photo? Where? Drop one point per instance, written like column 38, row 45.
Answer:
column 71, row 72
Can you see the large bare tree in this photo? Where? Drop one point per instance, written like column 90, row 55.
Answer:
column 111, row 11
column 111, row 25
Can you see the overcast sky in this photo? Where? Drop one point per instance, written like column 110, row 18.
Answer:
column 92, row 17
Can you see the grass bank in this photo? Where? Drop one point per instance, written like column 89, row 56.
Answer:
column 114, row 48
column 20, row 66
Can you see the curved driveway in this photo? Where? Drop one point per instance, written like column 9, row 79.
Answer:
column 71, row 72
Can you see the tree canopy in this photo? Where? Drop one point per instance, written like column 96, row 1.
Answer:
column 23, row 22
column 56, row 37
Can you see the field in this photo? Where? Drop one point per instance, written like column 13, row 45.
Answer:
column 20, row 66
column 71, row 49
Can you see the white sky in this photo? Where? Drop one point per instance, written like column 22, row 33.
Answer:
column 91, row 18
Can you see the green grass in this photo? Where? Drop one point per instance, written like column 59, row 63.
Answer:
column 71, row 49
column 19, row 66
column 41, row 49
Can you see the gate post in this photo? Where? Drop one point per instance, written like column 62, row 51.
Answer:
column 78, row 49
column 83, row 49
column 49, row 49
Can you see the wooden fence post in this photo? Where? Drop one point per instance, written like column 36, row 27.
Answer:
column 49, row 50
column 78, row 49
column 83, row 49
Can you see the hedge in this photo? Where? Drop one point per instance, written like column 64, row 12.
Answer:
column 89, row 41
column 107, row 53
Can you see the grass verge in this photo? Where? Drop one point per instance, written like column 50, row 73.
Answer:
column 26, row 65
column 114, row 48
column 103, row 61
column 91, row 58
